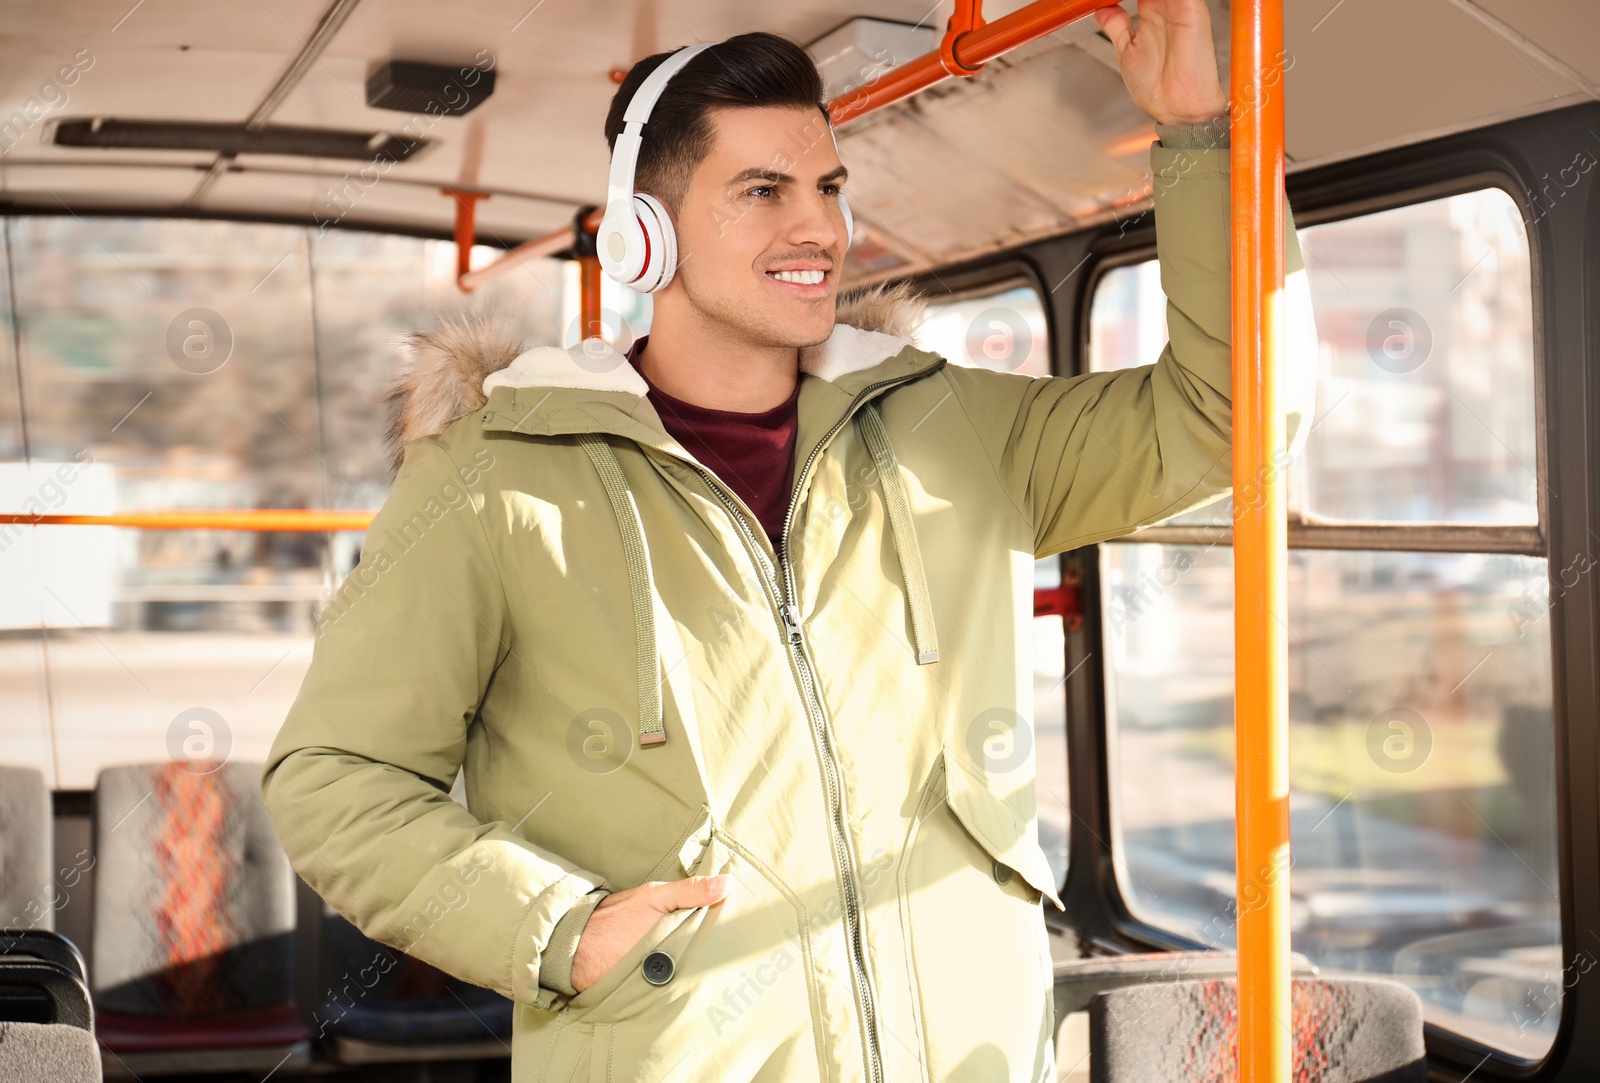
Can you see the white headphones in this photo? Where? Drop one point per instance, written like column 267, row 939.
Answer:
column 635, row 241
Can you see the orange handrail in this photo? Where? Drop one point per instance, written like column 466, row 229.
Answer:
column 1260, row 545
column 557, row 240
column 967, row 17
column 302, row 520
column 971, row 51
column 466, row 231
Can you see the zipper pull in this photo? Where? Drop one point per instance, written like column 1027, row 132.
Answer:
column 791, row 624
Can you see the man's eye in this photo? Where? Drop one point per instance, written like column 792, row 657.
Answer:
column 831, row 190
column 764, row 191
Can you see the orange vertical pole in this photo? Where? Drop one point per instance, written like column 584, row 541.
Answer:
column 589, row 298
column 466, row 232
column 1260, row 545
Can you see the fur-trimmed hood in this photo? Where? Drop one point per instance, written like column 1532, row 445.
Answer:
column 449, row 369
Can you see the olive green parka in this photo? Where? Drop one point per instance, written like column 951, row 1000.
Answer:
column 558, row 599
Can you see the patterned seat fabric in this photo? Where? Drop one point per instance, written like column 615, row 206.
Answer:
column 1078, row 981
column 1353, row 1030
column 194, row 910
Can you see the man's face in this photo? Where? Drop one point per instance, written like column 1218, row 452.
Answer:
column 761, row 236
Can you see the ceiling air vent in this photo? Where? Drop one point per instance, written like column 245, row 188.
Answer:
column 861, row 50
column 438, row 89
column 234, row 139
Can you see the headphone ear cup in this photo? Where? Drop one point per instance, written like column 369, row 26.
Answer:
column 661, row 244
column 620, row 243
column 849, row 221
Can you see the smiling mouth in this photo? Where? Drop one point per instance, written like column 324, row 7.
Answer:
column 799, row 278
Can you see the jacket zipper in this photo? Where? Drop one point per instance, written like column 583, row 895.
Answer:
column 786, row 591
column 781, row 589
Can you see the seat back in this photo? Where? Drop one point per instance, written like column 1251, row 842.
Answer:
column 1349, row 1030
column 27, row 898
column 194, row 901
column 28, row 987
column 1078, row 981
column 48, row 947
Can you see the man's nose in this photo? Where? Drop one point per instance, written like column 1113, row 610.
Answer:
column 818, row 222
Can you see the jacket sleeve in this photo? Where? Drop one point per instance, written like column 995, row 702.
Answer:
column 358, row 779
column 1090, row 457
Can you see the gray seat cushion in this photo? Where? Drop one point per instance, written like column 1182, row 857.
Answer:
column 30, row 1052
column 1350, row 1030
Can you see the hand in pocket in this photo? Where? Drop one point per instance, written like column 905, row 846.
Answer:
column 622, row 918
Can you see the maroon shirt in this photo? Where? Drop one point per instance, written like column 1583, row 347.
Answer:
column 753, row 454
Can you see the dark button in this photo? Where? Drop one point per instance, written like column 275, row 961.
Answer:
column 1002, row 873
column 658, row 968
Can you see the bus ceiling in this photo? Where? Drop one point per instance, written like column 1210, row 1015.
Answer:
column 1068, row 155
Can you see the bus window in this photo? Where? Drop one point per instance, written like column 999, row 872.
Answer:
column 1426, row 405
column 1421, row 731
column 173, row 364
column 1003, row 328
column 1128, row 327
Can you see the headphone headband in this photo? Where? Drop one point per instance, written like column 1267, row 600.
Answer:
column 649, row 92
column 625, row 154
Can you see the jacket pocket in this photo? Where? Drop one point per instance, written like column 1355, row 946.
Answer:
column 972, row 881
column 625, row 981
column 741, row 1004
column 622, row 990
column 996, row 827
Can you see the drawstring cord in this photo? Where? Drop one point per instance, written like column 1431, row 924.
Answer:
column 925, row 640
column 652, row 729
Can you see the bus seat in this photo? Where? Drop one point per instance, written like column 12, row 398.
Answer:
column 194, row 916
column 1347, row 1030
column 27, row 896
column 1079, row 980
column 42, row 946
column 46, row 1024
column 384, row 1005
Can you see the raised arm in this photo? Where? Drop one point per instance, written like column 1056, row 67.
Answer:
column 1091, row 457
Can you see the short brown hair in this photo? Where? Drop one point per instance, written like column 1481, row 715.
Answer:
column 749, row 70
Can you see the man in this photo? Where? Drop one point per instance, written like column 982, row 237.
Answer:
column 729, row 635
